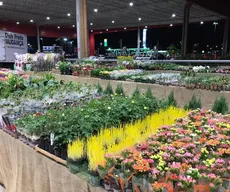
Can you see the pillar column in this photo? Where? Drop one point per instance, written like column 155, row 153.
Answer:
column 92, row 44
column 185, row 28
column 225, row 39
column 38, row 39
column 138, row 41
column 82, row 30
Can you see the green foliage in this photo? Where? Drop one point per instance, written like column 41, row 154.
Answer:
column 99, row 88
column 148, row 93
column 88, row 119
column 194, row 103
column 136, row 93
column 108, row 90
column 171, row 100
column 220, row 105
column 62, row 66
column 119, row 90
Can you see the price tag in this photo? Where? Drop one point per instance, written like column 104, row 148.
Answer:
column 51, row 139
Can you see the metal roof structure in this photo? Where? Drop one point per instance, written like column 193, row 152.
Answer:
column 143, row 12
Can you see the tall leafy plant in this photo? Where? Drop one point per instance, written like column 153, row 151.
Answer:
column 171, row 100
column 108, row 90
column 221, row 105
column 119, row 90
column 193, row 104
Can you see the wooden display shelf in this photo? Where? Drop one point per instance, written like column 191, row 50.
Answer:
column 51, row 156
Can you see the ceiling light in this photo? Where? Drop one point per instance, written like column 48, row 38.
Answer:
column 173, row 15
column 58, row 27
column 171, row 25
column 95, row 10
column 107, row 29
column 91, row 31
column 131, row 4
column 125, row 28
column 48, row 18
column 139, row 19
column 1, row 3
column 215, row 23
column 31, row 21
column 202, row 22
column 146, row 27
column 113, row 21
column 73, row 25
column 100, row 32
column 17, row 23
column 65, row 39
column 91, row 23
column 68, row 14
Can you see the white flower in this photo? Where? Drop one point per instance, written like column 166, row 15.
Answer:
column 109, row 108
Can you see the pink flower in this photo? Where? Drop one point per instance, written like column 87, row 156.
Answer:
column 179, row 184
column 211, row 184
column 150, row 161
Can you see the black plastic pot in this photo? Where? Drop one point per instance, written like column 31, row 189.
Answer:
column 41, row 143
column 51, row 149
column 57, row 152
column 64, row 153
column 47, row 145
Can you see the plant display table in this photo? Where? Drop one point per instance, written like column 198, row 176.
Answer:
column 24, row 170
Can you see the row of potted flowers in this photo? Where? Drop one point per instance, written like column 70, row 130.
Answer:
column 194, row 153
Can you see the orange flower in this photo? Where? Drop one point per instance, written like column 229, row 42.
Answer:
column 197, row 118
column 198, row 123
column 141, row 166
column 202, row 139
column 185, row 166
column 178, row 144
column 157, row 186
column 213, row 142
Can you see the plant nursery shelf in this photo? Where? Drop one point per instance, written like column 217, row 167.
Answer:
column 51, row 156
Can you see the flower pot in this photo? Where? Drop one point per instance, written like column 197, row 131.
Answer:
column 47, row 145
column 64, row 153
column 57, row 152
column 51, row 149
column 41, row 143
column 95, row 181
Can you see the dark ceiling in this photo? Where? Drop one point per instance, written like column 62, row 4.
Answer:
column 219, row 6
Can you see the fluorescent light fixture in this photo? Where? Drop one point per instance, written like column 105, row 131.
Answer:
column 131, row 4
column 113, row 21
column 48, row 18
column 202, row 22
column 139, row 19
column 1, row 3
column 31, row 21
column 173, row 15
column 68, row 14
column 95, row 10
